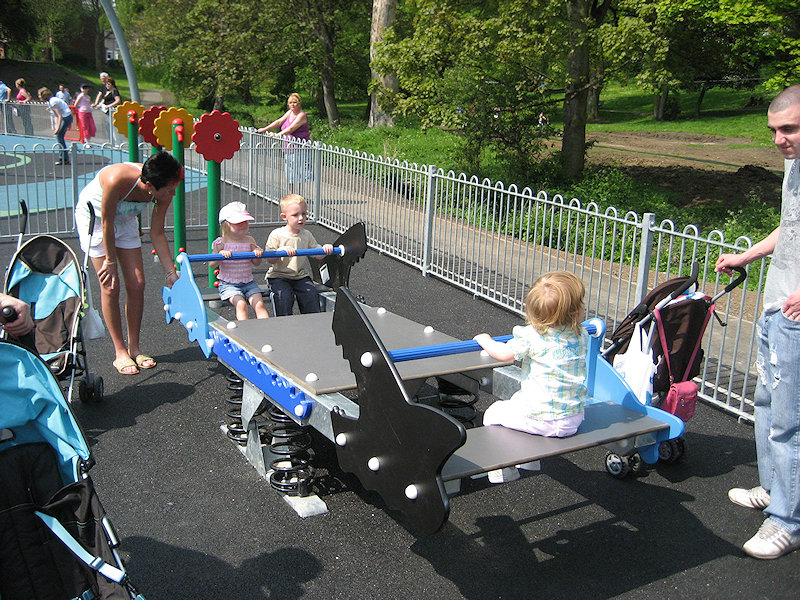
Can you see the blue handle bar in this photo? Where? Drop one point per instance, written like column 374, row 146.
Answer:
column 266, row 254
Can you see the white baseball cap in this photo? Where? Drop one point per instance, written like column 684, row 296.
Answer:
column 235, row 212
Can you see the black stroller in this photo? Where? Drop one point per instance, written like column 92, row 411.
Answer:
column 45, row 273
column 684, row 313
column 56, row 542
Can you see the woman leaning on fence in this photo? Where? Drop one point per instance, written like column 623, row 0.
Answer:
column 294, row 125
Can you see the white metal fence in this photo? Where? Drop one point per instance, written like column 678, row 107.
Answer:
column 487, row 238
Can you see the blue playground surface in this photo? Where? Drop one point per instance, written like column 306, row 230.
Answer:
column 33, row 177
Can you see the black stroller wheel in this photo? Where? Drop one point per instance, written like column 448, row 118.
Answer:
column 617, row 466
column 83, row 390
column 670, row 451
column 97, row 388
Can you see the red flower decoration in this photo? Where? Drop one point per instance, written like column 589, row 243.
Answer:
column 147, row 124
column 216, row 136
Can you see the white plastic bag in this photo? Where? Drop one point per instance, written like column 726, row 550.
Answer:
column 92, row 324
column 636, row 365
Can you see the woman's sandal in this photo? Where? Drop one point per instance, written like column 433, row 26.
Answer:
column 121, row 364
column 145, row 362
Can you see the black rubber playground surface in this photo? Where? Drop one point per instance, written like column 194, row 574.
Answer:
column 197, row 522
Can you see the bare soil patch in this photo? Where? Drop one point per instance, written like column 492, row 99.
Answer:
column 699, row 168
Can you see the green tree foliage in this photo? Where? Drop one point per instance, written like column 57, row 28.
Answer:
column 232, row 49
column 485, row 70
column 17, row 23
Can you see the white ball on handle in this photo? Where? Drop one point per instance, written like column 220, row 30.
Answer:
column 374, row 463
column 411, row 491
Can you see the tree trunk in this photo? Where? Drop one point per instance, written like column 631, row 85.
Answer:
column 573, row 145
column 700, row 100
column 593, row 101
column 327, row 72
column 660, row 103
column 383, row 14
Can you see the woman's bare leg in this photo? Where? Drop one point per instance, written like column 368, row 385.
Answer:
column 109, row 302
column 132, row 270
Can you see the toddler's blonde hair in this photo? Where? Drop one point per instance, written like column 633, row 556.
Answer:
column 554, row 301
column 290, row 199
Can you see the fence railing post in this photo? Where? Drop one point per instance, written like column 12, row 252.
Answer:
column 250, row 159
column 316, row 169
column 430, row 206
column 645, row 253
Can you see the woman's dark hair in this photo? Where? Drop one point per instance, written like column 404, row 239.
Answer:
column 161, row 169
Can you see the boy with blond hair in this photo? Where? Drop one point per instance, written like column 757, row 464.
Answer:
column 289, row 277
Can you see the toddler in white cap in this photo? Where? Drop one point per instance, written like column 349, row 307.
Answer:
column 236, row 282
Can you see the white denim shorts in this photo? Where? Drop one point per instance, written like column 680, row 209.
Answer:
column 126, row 235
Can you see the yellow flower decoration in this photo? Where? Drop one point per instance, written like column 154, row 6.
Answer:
column 121, row 115
column 163, row 126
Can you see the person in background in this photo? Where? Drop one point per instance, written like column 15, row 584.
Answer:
column 62, row 119
column 102, row 91
column 85, row 119
column 5, row 106
column 776, row 404
column 294, row 125
column 63, row 93
column 23, row 108
column 110, row 97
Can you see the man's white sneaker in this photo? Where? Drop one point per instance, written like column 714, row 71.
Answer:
column 756, row 497
column 771, row 541
column 503, row 475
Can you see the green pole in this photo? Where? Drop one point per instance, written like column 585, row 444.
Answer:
column 179, row 210
column 133, row 136
column 213, row 210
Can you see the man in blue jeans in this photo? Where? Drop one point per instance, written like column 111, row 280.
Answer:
column 777, row 397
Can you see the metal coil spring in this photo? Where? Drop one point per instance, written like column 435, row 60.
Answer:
column 292, row 473
column 457, row 402
column 236, row 431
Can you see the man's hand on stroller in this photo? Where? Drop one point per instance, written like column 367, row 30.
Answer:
column 15, row 316
column 726, row 262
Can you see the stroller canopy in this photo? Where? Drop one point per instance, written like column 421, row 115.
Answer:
column 33, row 405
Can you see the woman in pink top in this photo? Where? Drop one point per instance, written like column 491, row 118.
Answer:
column 85, row 119
column 294, row 125
column 23, row 110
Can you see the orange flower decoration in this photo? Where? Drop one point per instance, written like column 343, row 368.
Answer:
column 163, row 126
column 147, row 124
column 121, row 115
column 216, row 136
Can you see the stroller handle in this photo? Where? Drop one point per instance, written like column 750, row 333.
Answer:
column 741, row 275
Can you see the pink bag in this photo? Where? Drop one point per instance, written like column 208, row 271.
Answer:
column 681, row 400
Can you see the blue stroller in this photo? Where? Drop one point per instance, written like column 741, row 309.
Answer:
column 56, row 542
column 45, row 273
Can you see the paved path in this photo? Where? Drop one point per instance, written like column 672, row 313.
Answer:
column 197, row 522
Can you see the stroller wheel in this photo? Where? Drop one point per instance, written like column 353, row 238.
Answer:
column 617, row 466
column 97, row 388
column 83, row 390
column 670, row 451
